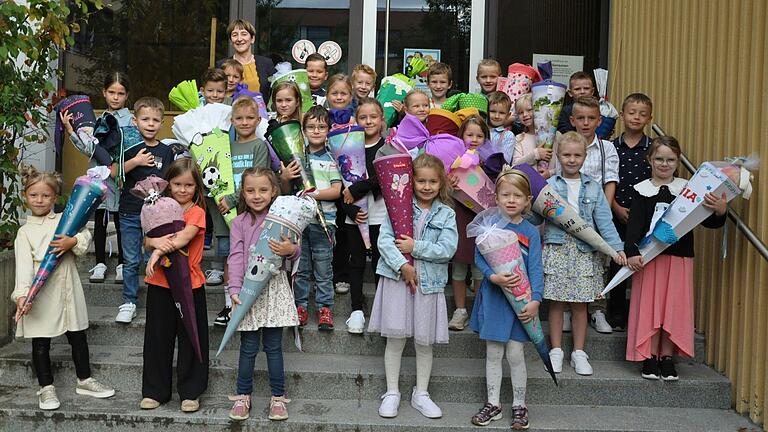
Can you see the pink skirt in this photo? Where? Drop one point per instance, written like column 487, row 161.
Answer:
column 661, row 299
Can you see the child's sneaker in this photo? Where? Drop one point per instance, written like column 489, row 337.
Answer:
column 556, row 357
column 93, row 388
column 119, row 273
column 651, row 369
column 126, row 312
column 356, row 322
column 241, row 410
column 519, row 417
column 459, row 320
column 190, row 405
column 390, row 402
column 214, row 277
column 668, row 372
column 222, row 319
column 97, row 272
column 599, row 323
column 278, row 408
column 422, row 403
column 342, row 287
column 47, row 399
column 487, row 414
column 324, row 319
column 580, row 363
column 303, row 315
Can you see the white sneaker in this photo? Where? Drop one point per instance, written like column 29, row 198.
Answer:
column 342, row 287
column 599, row 323
column 356, row 322
column 97, row 272
column 119, row 273
column 214, row 277
column 47, row 399
column 126, row 312
column 423, row 404
column 459, row 320
column 580, row 363
column 556, row 357
column 566, row 321
column 91, row 387
column 390, row 402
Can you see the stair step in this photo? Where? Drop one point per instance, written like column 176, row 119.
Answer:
column 326, row 376
column 121, row 413
column 104, row 330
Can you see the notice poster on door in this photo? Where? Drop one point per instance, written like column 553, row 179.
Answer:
column 563, row 66
column 429, row 55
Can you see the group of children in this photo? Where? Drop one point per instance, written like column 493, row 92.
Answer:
column 614, row 186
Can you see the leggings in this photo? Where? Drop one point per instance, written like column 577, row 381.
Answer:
column 100, row 220
column 517, row 371
column 41, row 357
column 357, row 261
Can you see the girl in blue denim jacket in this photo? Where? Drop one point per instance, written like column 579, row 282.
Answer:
column 573, row 270
column 409, row 298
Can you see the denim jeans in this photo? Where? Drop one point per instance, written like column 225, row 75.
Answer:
column 272, row 340
column 133, row 249
column 317, row 256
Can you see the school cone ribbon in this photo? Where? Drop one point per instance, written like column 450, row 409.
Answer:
column 287, row 217
column 161, row 216
column 501, row 249
column 395, row 173
column 347, row 143
column 87, row 193
column 550, row 205
column 687, row 210
column 548, row 97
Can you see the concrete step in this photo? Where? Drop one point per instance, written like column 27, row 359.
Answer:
column 18, row 411
column 104, row 330
column 460, row 380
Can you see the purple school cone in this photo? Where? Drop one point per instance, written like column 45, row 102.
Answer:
column 394, row 173
column 347, row 144
column 161, row 216
column 550, row 205
column 501, row 249
column 88, row 192
column 288, row 216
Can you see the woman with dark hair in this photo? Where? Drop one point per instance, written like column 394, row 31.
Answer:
column 256, row 69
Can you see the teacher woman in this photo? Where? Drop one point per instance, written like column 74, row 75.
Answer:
column 256, row 68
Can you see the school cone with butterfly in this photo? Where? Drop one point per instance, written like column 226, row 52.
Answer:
column 394, row 173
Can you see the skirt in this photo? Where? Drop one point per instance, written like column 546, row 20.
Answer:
column 571, row 275
column 398, row 314
column 661, row 299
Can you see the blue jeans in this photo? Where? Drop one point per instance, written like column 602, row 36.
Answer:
column 317, row 255
column 133, row 248
column 272, row 339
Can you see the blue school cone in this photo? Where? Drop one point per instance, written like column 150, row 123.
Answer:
column 287, row 218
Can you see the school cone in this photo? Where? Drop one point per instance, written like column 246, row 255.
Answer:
column 287, row 141
column 300, row 77
column 347, row 144
column 548, row 97
column 687, row 211
column 395, row 174
column 88, row 192
column 501, row 249
column 161, row 216
column 550, row 205
column 288, row 216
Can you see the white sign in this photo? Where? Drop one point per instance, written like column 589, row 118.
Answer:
column 331, row 51
column 302, row 49
column 563, row 66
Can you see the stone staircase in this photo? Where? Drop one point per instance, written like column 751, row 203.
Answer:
column 336, row 383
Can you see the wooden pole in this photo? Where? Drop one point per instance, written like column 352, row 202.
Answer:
column 212, row 49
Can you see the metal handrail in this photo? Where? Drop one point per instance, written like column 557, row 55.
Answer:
column 743, row 227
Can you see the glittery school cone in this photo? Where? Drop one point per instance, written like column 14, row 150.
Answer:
column 287, row 141
column 88, row 192
column 394, row 173
column 548, row 99
column 161, row 216
column 347, row 144
column 501, row 249
column 287, row 217
column 687, row 210
column 550, row 205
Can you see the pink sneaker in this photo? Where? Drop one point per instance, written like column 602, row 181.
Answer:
column 278, row 409
column 241, row 410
